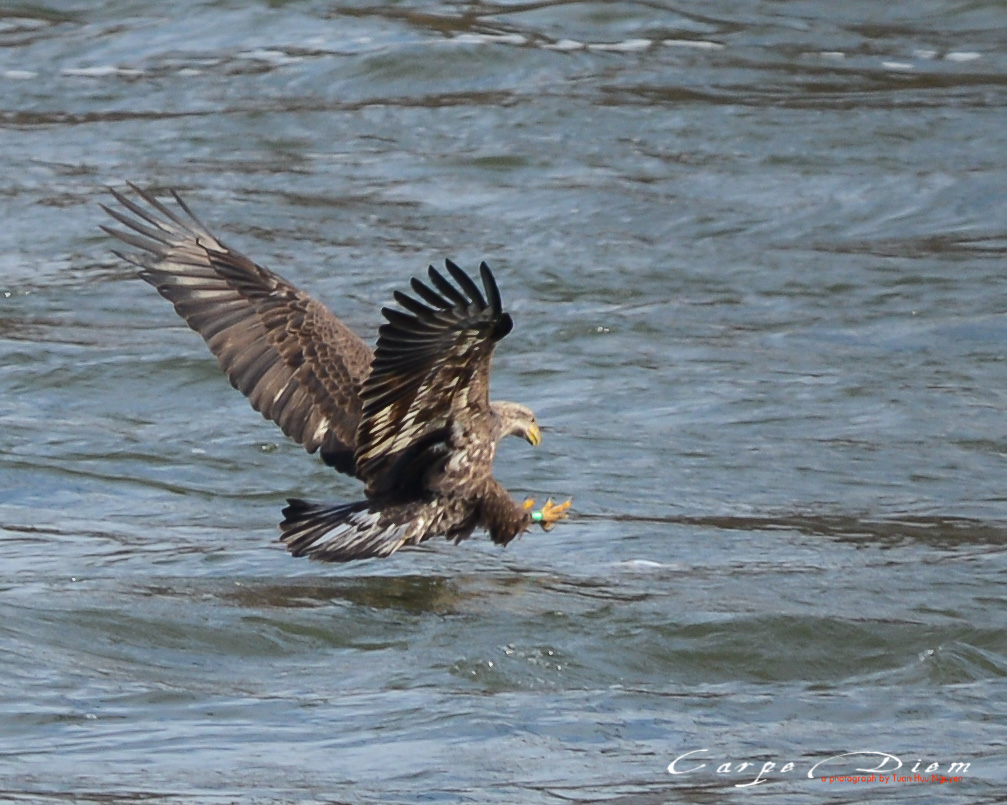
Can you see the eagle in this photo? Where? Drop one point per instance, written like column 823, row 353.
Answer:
column 411, row 418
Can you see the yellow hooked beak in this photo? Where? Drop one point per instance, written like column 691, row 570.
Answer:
column 533, row 435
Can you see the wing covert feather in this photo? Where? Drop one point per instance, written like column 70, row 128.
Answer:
column 430, row 372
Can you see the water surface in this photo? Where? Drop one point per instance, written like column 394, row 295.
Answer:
column 755, row 254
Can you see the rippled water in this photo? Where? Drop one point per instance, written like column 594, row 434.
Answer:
column 755, row 253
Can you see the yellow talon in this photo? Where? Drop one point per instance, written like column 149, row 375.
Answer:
column 528, row 504
column 551, row 513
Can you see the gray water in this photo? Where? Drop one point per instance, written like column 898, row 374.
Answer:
column 755, row 252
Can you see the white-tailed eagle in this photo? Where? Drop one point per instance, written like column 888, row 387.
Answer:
column 412, row 418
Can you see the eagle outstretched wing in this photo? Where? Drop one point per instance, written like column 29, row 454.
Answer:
column 430, row 371
column 295, row 361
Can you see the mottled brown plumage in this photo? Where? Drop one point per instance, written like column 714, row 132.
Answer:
column 412, row 420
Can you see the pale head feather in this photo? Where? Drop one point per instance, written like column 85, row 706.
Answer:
column 514, row 419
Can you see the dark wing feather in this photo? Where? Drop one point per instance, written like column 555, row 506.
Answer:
column 430, row 370
column 297, row 363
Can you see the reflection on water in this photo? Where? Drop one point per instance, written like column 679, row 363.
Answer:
column 410, row 594
column 754, row 253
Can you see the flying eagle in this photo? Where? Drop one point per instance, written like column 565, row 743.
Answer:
column 412, row 419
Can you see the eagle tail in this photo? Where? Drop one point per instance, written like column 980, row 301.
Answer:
column 339, row 533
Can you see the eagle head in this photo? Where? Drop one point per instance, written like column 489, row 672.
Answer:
column 514, row 419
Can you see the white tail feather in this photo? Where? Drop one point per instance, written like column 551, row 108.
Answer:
column 339, row 533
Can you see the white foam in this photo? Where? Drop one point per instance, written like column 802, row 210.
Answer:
column 698, row 44
column 565, row 44
column 640, row 565
column 498, row 39
column 625, row 46
column 100, row 71
column 962, row 56
column 270, row 55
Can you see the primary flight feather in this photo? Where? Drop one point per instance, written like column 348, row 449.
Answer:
column 412, row 419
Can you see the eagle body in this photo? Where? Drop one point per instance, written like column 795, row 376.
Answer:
column 459, row 495
column 411, row 418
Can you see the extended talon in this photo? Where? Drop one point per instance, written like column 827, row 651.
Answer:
column 528, row 504
column 550, row 513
